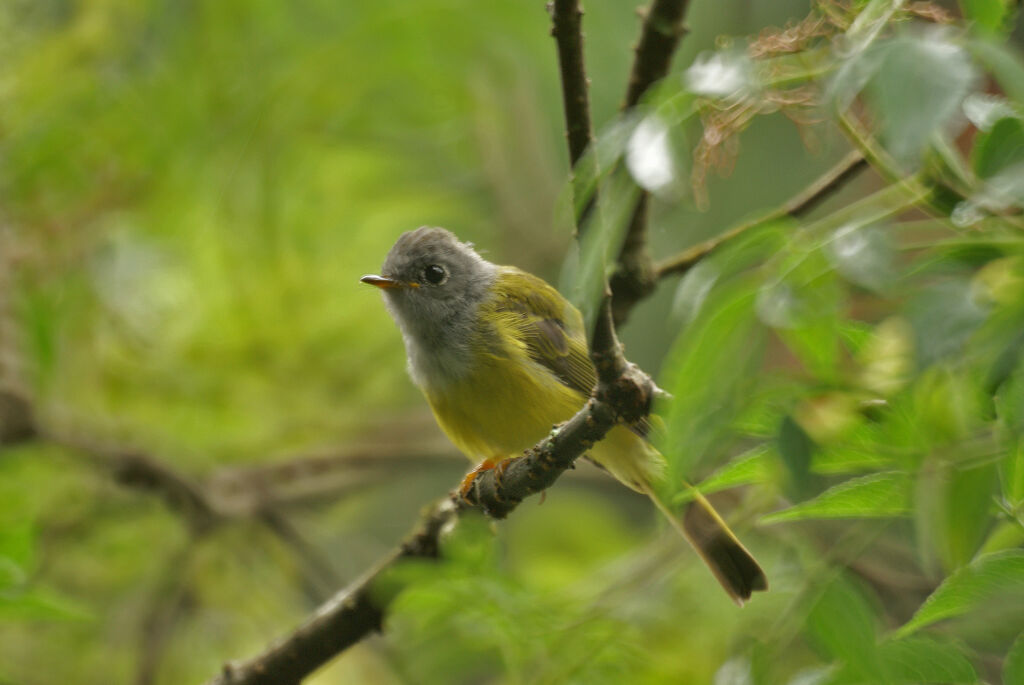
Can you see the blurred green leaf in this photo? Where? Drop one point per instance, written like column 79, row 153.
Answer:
column 968, row 512
column 954, row 504
column 16, row 542
column 917, row 90
column 802, row 303
column 843, row 623
column 602, row 237
column 999, row 148
column 849, row 457
column 750, row 467
column 864, row 256
column 990, row 16
column 1005, row 62
column 1011, row 474
column 41, row 605
column 878, row 495
column 736, row 671
column 707, row 371
column 887, row 357
column 914, row 661
column 1013, row 667
column 943, row 317
column 796, row 449
column 988, row 577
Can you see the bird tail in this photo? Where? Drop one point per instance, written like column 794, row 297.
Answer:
column 730, row 562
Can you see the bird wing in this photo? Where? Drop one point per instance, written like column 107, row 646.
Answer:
column 547, row 326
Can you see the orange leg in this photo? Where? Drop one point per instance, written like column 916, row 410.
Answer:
column 467, row 482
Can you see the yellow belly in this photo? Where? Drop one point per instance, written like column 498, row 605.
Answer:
column 501, row 408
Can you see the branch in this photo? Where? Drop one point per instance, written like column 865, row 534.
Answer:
column 663, row 28
column 799, row 205
column 320, row 579
column 17, row 423
column 344, row 620
column 359, row 610
column 566, row 17
column 566, row 28
column 167, row 603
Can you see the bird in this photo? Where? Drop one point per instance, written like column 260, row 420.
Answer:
column 501, row 356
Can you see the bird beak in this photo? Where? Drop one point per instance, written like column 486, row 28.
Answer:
column 385, row 283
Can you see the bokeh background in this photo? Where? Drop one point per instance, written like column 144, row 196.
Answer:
column 189, row 193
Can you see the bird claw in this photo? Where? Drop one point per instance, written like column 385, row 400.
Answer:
column 467, row 483
column 499, row 465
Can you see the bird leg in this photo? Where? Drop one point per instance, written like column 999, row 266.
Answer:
column 467, row 483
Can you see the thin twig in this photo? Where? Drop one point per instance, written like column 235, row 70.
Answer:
column 166, row 606
column 799, row 205
column 663, row 28
column 17, row 423
column 344, row 620
column 566, row 28
column 319, row 577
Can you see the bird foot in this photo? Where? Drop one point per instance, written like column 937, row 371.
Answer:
column 467, row 483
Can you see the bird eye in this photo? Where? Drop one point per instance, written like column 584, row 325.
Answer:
column 435, row 274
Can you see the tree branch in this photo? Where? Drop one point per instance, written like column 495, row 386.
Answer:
column 566, row 20
column 799, row 205
column 342, row 621
column 359, row 610
column 566, row 28
column 17, row 423
column 663, row 28
column 167, row 604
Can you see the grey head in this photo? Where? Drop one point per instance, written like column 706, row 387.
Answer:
column 433, row 285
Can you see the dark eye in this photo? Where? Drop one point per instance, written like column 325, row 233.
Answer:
column 435, row 274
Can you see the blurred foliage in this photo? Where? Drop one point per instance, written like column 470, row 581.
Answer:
column 189, row 191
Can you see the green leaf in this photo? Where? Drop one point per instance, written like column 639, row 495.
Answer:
column 999, row 148
column 585, row 273
column 847, row 458
column 41, row 604
column 843, row 623
column 863, row 256
column 879, row 495
column 917, row 90
column 1013, row 667
column 750, row 467
column 969, row 496
column 943, row 317
column 887, row 357
column 1005, row 63
column 802, row 302
column 709, row 371
column 796, row 449
column 914, row 661
column 989, row 577
column 1011, row 474
column 988, row 15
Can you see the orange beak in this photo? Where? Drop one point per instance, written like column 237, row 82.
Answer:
column 385, row 283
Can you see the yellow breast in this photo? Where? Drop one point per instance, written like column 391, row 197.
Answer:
column 502, row 406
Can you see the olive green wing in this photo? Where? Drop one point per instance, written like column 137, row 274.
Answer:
column 547, row 325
